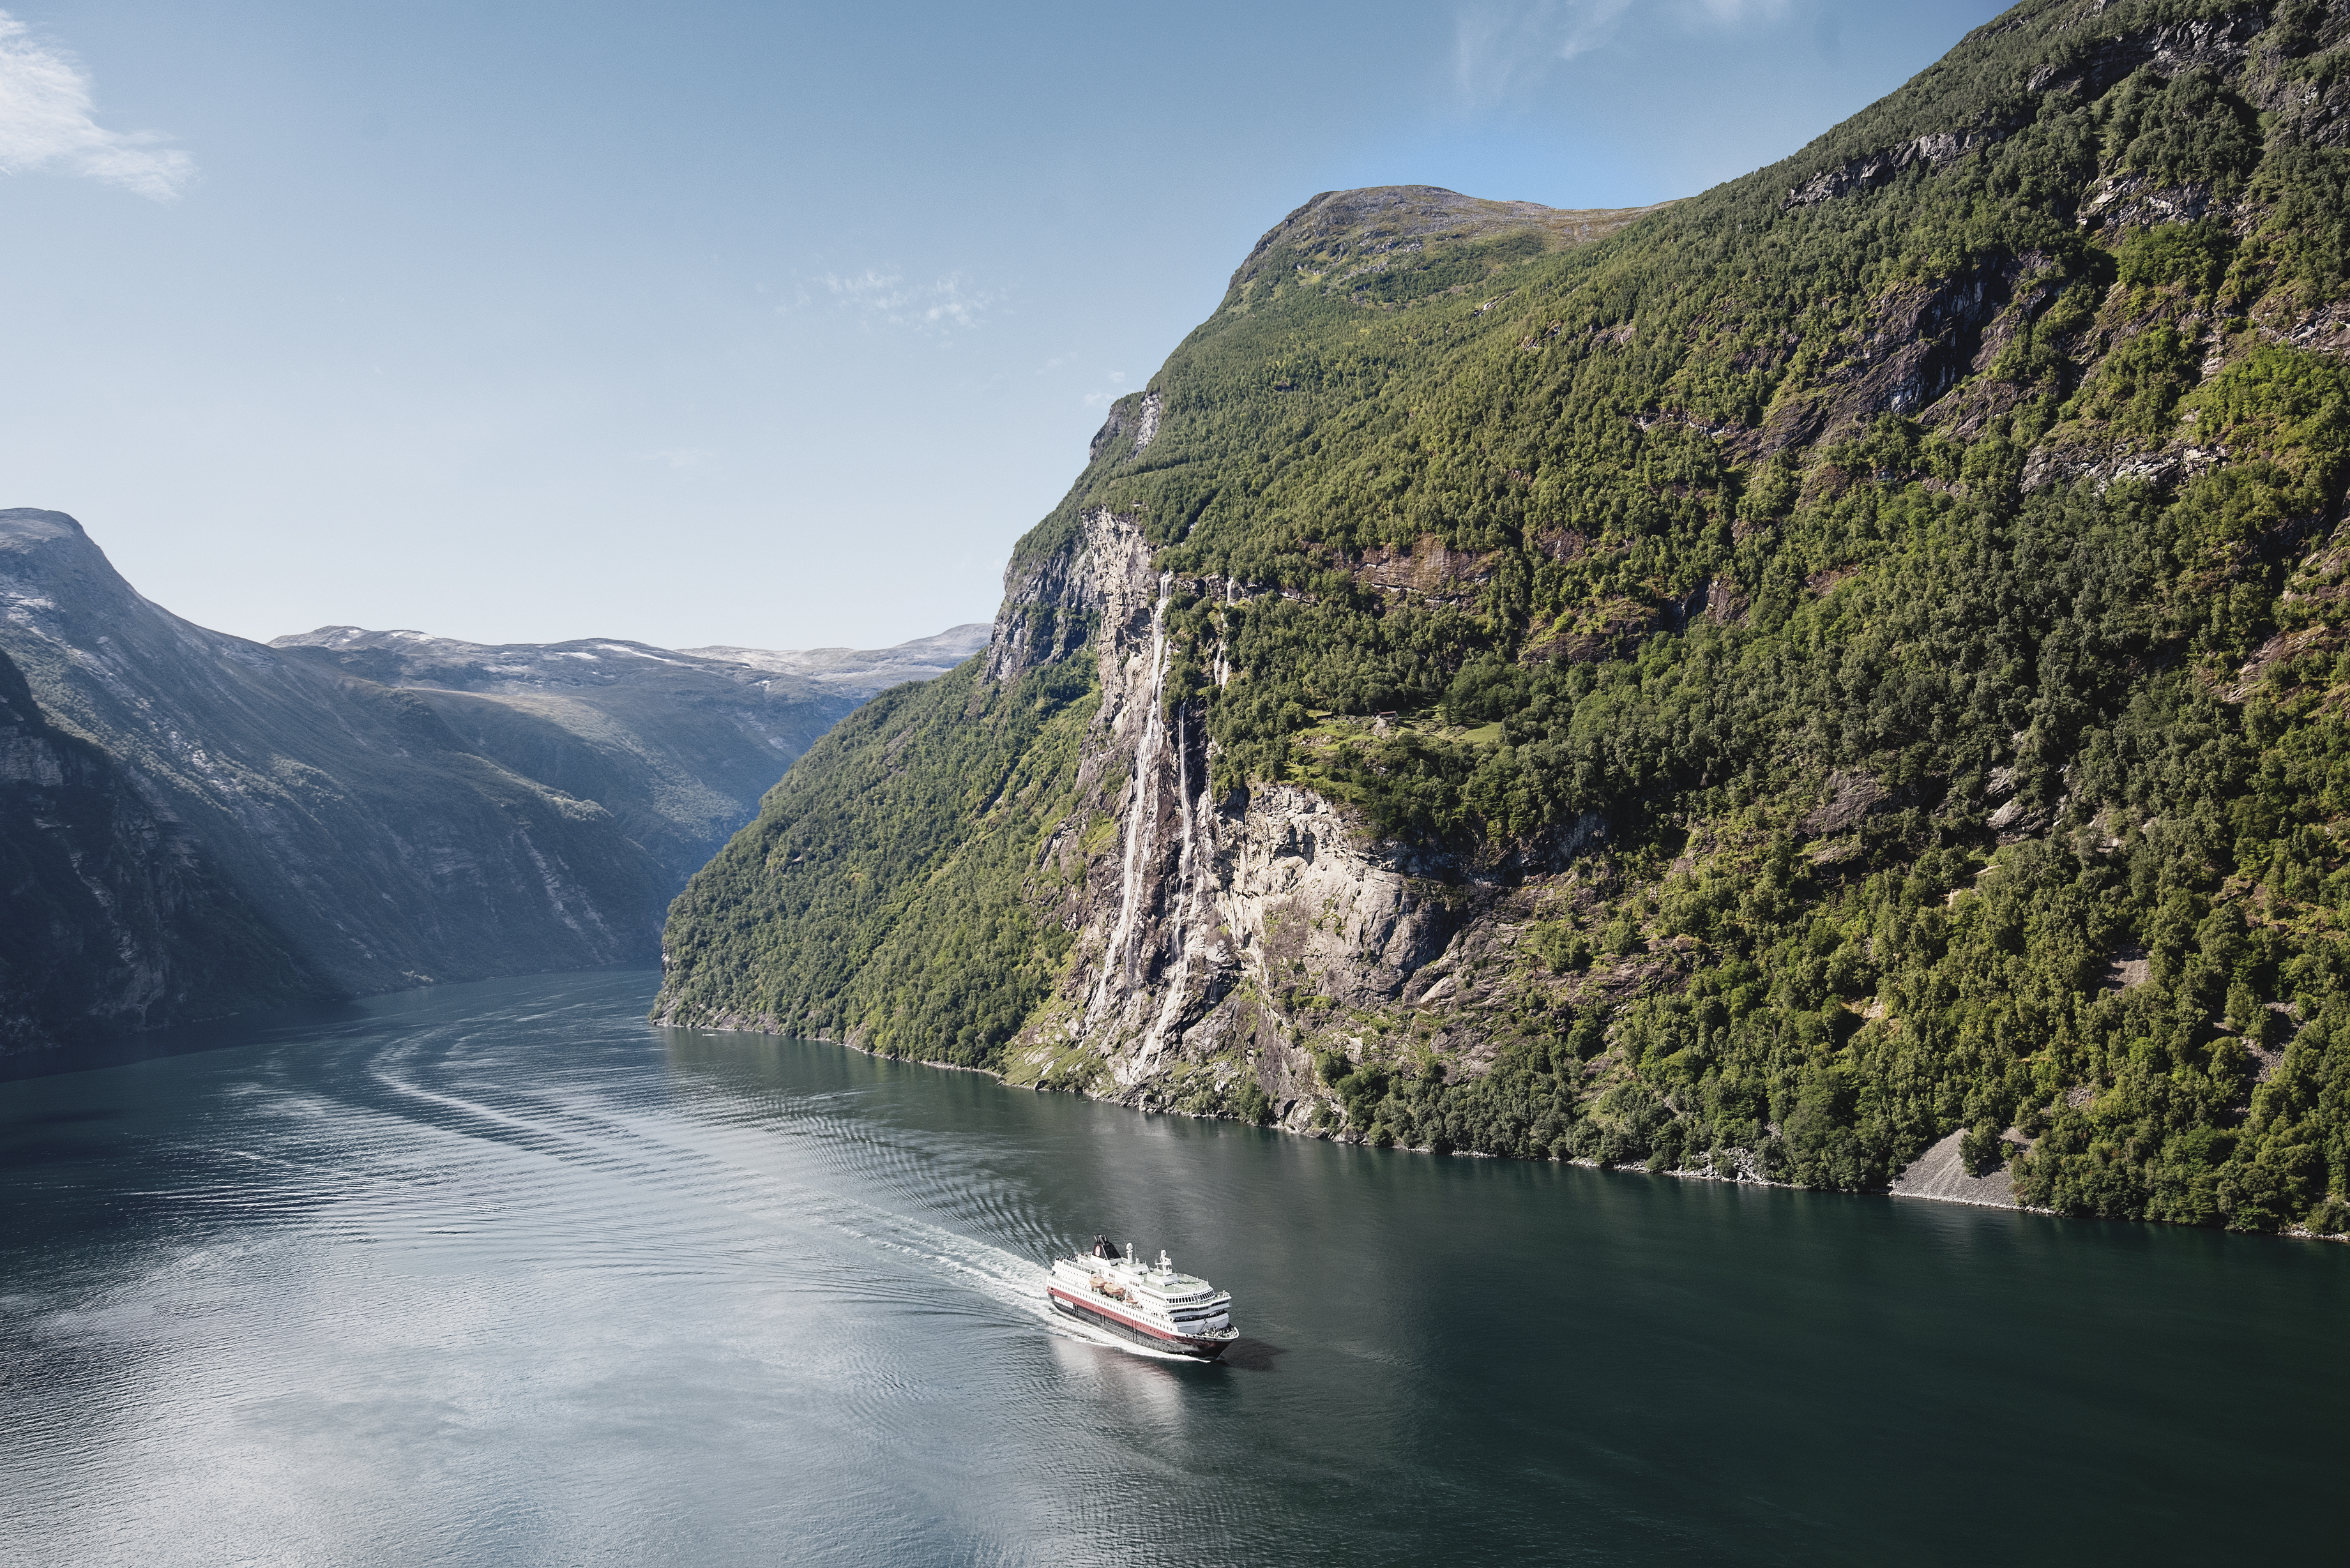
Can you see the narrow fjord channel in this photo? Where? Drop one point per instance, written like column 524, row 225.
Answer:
column 499, row 1273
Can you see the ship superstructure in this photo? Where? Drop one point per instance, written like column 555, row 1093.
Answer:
column 1149, row 1304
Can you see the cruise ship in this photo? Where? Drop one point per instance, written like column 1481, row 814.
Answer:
column 1150, row 1304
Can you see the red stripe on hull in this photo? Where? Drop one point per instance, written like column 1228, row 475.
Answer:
column 1151, row 1332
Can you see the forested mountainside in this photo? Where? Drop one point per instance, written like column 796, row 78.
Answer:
column 202, row 825
column 1853, row 660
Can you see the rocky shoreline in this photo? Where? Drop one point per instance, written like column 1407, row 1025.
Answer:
column 1923, row 1178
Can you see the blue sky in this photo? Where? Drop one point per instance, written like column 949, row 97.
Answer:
column 768, row 325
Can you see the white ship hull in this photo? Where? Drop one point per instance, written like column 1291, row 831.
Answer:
column 1156, row 1308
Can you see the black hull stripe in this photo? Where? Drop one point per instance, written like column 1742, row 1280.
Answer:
column 1208, row 1352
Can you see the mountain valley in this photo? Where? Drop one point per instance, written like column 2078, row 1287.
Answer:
column 205, row 824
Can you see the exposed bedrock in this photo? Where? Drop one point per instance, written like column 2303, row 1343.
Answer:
column 1220, row 939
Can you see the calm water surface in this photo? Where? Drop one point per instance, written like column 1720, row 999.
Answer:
column 498, row 1274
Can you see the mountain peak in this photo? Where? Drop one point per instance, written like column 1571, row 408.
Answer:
column 56, row 521
column 1363, row 226
column 405, row 658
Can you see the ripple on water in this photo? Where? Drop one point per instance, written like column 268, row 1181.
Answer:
column 499, row 1273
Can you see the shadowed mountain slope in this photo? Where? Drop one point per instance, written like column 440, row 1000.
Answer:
column 366, row 811
column 115, row 920
column 677, row 744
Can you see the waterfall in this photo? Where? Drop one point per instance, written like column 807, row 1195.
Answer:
column 1120, row 978
column 1184, row 904
column 1141, row 826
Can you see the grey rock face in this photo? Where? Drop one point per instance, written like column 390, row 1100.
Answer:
column 589, row 664
column 115, row 919
column 677, row 744
column 1204, row 921
column 351, row 812
column 1940, row 1173
column 1938, row 150
column 1920, row 341
column 2170, row 47
column 400, row 809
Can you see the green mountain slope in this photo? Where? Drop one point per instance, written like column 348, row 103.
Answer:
column 1845, row 669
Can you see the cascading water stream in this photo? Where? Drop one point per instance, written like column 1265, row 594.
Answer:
column 1120, row 975
column 1141, row 825
column 1183, row 906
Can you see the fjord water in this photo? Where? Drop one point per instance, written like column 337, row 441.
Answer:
column 500, row 1273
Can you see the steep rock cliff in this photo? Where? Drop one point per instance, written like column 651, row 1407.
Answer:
column 1217, row 936
column 116, row 920
column 350, row 811
column 1170, row 943
column 355, row 811
column 678, row 745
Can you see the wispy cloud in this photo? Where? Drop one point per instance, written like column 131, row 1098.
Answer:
column 49, row 124
column 1738, row 11
column 1111, row 393
column 1499, row 48
column 685, row 458
column 944, row 305
column 1589, row 25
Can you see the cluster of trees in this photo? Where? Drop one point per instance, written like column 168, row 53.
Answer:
column 880, row 893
